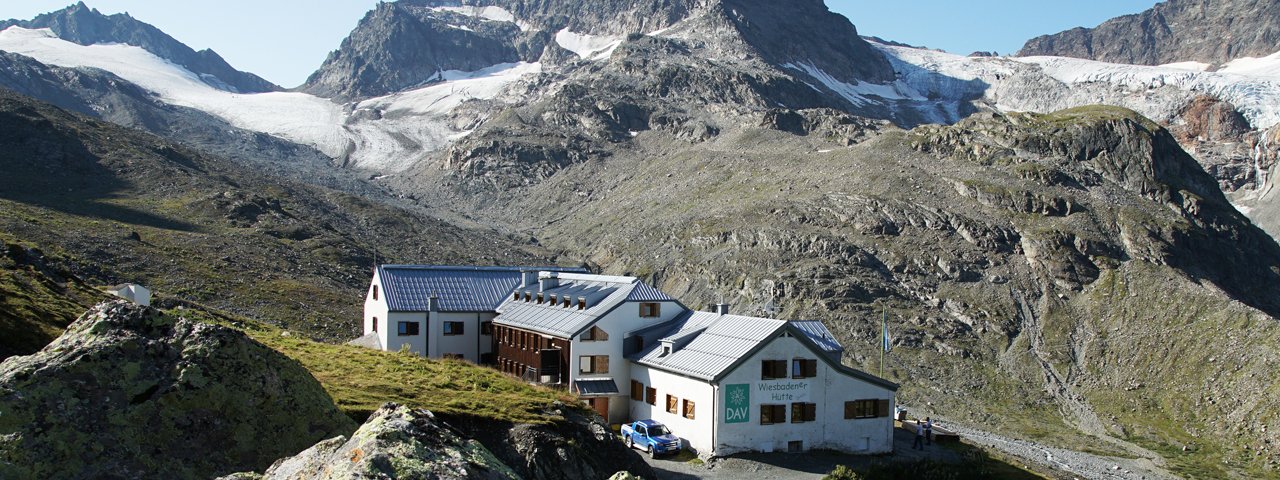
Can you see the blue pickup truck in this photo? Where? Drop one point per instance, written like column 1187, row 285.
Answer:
column 654, row 437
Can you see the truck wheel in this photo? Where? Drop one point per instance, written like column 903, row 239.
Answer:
column 653, row 452
column 631, row 443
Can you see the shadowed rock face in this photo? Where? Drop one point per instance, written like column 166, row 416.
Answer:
column 128, row 392
column 1207, row 31
column 80, row 24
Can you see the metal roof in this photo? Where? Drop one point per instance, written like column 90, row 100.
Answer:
column 726, row 341
column 817, row 331
column 596, row 386
column 646, row 293
column 407, row 288
column 601, row 293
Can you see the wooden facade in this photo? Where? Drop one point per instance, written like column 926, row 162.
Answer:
column 531, row 355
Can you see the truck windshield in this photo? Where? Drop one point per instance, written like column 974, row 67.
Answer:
column 659, row 430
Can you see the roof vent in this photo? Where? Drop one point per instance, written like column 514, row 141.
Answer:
column 720, row 309
column 433, row 304
column 527, row 278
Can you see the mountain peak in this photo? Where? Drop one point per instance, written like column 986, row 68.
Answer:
column 1173, row 31
column 81, row 24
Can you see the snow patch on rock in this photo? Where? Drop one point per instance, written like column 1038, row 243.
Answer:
column 588, row 47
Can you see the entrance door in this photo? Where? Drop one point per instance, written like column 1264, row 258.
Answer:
column 600, row 405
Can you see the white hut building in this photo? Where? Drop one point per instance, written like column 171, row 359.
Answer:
column 440, row 311
column 729, row 383
column 571, row 330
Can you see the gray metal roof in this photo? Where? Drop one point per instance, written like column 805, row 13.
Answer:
column 407, row 288
column 596, row 386
column 726, row 341
column 646, row 293
column 602, row 294
column 817, row 331
column 723, row 341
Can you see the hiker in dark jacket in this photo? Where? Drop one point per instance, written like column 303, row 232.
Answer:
column 928, row 431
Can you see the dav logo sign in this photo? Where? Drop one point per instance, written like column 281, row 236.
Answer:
column 737, row 403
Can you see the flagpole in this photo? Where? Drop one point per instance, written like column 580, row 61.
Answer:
column 884, row 335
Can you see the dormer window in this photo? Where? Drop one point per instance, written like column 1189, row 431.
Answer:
column 565, row 303
column 666, row 350
column 540, row 298
column 528, row 297
column 582, row 304
column 515, row 297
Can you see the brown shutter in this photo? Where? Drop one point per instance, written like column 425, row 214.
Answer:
column 601, row 364
column 810, row 412
column 882, row 408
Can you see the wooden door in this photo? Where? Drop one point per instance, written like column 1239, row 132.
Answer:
column 601, row 406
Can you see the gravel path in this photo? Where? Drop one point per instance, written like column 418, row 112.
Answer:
column 1083, row 465
column 814, row 465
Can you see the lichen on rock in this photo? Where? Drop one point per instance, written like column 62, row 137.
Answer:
column 396, row 442
column 129, row 392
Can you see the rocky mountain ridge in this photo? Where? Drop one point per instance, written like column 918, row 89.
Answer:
column 1207, row 31
column 80, row 24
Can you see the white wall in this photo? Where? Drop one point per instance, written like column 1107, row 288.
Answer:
column 696, row 433
column 376, row 309
column 829, row 390
column 466, row 344
column 622, row 320
column 416, row 343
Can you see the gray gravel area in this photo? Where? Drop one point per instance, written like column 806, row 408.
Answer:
column 1066, row 464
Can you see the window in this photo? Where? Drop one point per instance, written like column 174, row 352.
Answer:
column 375, row 292
column 528, row 296
column 651, row 395
column 408, row 329
column 673, row 404
column 593, row 364
column 773, row 369
column 804, row 368
column 540, row 297
column 650, row 309
column 565, row 302
column 688, row 409
column 486, row 328
column 582, row 304
column 771, row 414
column 375, row 324
column 795, row 446
column 803, row 412
column 515, row 296
column 453, row 328
column 866, row 408
column 595, row 335
column 637, row 391
column 454, row 356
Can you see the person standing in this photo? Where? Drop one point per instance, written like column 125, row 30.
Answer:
column 928, row 431
column 919, row 443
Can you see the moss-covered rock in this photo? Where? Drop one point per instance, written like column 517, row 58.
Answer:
column 128, row 392
column 396, row 442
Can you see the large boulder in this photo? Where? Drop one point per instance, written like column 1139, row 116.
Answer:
column 396, row 442
column 129, row 392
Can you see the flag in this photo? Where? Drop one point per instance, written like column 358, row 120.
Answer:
column 887, row 344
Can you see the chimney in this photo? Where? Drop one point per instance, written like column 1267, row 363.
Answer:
column 433, row 304
column 548, row 281
column 527, row 278
column 720, row 308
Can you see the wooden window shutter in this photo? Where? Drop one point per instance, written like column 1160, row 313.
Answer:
column 601, row 364
column 810, row 412
column 882, row 408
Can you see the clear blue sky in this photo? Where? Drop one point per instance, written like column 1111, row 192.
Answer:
column 285, row 40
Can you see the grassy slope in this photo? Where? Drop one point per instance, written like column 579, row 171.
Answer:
column 360, row 379
column 117, row 205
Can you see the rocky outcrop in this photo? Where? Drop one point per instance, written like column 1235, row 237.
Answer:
column 80, row 24
column 1209, row 31
column 128, row 392
column 406, row 44
column 396, row 442
column 580, row 447
column 401, row 442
